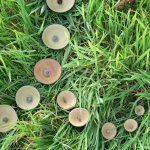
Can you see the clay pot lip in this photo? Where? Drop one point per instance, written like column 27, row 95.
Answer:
column 60, row 10
column 67, row 107
column 131, row 122
column 33, row 104
column 113, row 133
column 48, row 81
column 56, row 27
column 141, row 109
column 13, row 113
column 78, row 109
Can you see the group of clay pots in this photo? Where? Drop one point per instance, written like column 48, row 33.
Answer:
column 47, row 71
column 109, row 130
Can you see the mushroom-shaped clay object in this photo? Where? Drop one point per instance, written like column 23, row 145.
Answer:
column 56, row 36
column 8, row 118
column 27, row 97
column 139, row 110
column 109, row 130
column 79, row 117
column 130, row 125
column 47, row 71
column 60, row 6
column 66, row 100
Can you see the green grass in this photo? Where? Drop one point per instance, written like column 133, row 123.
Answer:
column 106, row 64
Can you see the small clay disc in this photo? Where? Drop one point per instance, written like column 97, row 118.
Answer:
column 130, row 125
column 27, row 97
column 66, row 100
column 8, row 118
column 56, row 36
column 47, row 71
column 139, row 110
column 60, row 6
column 109, row 131
column 79, row 117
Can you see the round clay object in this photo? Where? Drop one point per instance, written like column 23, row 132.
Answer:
column 56, row 36
column 139, row 110
column 27, row 97
column 8, row 118
column 60, row 6
column 47, row 71
column 109, row 131
column 130, row 125
column 79, row 117
column 66, row 100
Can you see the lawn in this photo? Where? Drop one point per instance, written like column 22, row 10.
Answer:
column 106, row 65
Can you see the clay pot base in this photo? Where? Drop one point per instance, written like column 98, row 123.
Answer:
column 139, row 110
column 56, row 36
column 47, row 71
column 109, row 131
column 66, row 100
column 8, row 118
column 130, row 125
column 60, row 5
column 27, row 97
column 79, row 117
